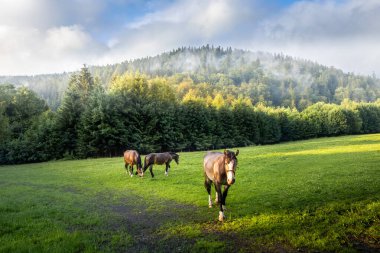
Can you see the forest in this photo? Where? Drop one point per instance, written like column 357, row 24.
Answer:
column 264, row 78
column 139, row 110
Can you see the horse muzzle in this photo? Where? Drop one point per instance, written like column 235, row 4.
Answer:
column 230, row 181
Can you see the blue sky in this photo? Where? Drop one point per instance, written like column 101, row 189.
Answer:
column 52, row 36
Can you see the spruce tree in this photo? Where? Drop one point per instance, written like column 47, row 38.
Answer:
column 70, row 112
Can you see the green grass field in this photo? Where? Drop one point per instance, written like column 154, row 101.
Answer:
column 315, row 195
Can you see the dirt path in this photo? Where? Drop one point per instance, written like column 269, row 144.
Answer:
column 144, row 220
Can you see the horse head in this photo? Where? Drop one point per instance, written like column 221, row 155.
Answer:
column 230, row 162
column 175, row 156
column 140, row 171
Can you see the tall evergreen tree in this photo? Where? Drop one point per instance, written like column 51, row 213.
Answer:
column 70, row 112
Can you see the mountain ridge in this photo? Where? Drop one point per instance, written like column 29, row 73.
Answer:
column 269, row 76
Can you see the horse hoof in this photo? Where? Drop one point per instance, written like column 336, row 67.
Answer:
column 221, row 216
column 131, row 175
column 209, row 206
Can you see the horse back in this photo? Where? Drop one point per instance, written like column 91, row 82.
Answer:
column 213, row 165
column 132, row 157
column 158, row 158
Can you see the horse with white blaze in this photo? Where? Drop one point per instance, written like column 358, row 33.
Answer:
column 219, row 169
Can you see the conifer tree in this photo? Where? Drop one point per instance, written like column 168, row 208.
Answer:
column 70, row 112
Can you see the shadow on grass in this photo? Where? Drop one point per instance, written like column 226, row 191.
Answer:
column 145, row 219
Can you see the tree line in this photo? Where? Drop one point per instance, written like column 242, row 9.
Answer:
column 138, row 112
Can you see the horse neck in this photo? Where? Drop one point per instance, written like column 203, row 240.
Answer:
column 139, row 161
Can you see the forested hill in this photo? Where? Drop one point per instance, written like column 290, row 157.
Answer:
column 273, row 79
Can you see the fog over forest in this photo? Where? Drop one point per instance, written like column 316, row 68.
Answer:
column 274, row 79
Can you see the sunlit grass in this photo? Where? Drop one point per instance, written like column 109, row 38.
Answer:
column 321, row 194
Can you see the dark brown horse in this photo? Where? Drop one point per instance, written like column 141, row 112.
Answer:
column 219, row 168
column 132, row 157
column 160, row 158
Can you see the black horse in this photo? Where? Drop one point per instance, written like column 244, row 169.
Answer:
column 160, row 158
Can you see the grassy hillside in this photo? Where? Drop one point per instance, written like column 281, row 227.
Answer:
column 316, row 195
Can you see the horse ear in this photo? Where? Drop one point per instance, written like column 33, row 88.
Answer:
column 225, row 152
column 237, row 152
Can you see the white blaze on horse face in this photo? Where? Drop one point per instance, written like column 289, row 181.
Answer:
column 230, row 172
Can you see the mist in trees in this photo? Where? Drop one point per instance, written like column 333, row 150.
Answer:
column 272, row 79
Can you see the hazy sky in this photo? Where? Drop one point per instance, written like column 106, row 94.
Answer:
column 52, row 36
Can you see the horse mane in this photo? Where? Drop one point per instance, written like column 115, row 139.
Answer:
column 139, row 161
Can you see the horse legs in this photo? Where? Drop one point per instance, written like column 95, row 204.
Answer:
column 217, row 196
column 226, row 187
column 167, row 169
column 151, row 170
column 126, row 167
column 218, row 188
column 146, row 165
column 208, row 189
column 131, row 170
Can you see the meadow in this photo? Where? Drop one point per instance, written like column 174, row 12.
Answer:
column 307, row 196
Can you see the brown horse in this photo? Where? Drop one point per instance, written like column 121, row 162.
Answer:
column 219, row 168
column 132, row 157
column 160, row 158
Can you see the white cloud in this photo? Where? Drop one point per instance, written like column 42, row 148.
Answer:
column 184, row 23
column 207, row 17
column 44, row 14
column 320, row 20
column 339, row 33
column 44, row 36
column 33, row 39
column 29, row 50
column 66, row 39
